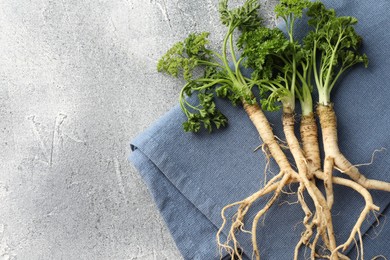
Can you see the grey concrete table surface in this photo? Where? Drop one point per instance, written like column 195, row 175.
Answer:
column 78, row 81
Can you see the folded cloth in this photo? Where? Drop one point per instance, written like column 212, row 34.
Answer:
column 192, row 176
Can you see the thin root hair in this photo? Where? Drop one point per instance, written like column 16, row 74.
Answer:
column 377, row 232
column 288, row 202
column 362, row 164
column 379, row 256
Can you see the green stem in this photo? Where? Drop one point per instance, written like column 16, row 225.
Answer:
column 238, row 71
column 270, row 86
column 203, row 62
column 209, row 80
column 306, row 102
column 191, row 106
column 218, row 55
column 326, row 99
column 291, row 28
column 224, row 52
column 212, row 83
column 182, row 99
column 294, row 76
column 293, row 80
column 314, row 64
column 232, row 51
column 336, row 78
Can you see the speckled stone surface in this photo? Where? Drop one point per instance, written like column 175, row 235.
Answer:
column 78, row 82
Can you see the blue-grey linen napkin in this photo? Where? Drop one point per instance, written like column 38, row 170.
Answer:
column 192, row 176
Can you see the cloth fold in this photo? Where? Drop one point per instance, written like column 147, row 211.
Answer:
column 193, row 176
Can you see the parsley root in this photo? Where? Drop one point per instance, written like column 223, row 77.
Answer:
column 329, row 131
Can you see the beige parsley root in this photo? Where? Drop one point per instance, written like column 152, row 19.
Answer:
column 321, row 206
column 286, row 176
column 333, row 154
column 308, row 131
column 309, row 136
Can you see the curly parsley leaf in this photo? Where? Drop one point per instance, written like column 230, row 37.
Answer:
column 245, row 17
column 335, row 44
column 185, row 56
column 288, row 9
